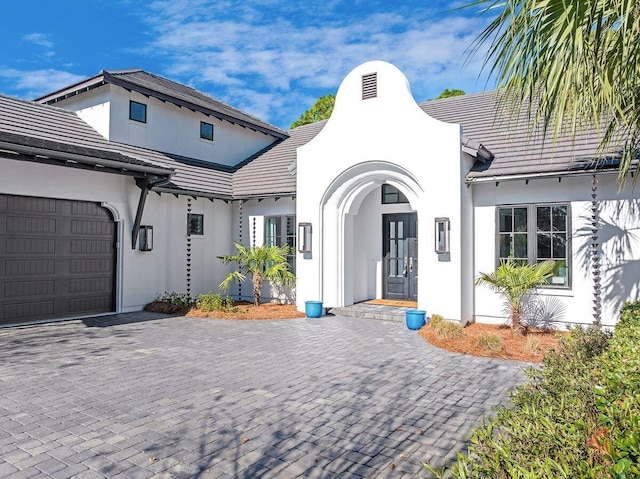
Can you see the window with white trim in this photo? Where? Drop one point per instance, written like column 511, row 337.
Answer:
column 281, row 231
column 536, row 233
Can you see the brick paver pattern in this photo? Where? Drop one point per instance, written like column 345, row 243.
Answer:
column 139, row 395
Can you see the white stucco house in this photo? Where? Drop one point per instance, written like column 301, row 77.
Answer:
column 127, row 185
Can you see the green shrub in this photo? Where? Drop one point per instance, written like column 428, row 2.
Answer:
column 447, row 329
column 214, row 302
column 489, row 341
column 177, row 300
column 577, row 416
column 630, row 315
column 618, row 398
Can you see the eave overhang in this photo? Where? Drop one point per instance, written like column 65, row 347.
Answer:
column 104, row 77
column 74, row 160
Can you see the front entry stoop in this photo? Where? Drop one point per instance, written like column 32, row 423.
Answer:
column 371, row 311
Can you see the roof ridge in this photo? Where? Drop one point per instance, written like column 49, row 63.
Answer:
column 306, row 125
column 458, row 97
column 200, row 92
column 200, row 96
column 121, row 72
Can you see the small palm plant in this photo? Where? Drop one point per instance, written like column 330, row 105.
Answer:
column 516, row 281
column 263, row 263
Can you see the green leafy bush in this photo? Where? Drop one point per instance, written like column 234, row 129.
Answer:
column 577, row 416
column 618, row 398
column 178, row 300
column 214, row 302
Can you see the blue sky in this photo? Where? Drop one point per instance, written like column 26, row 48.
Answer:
column 270, row 58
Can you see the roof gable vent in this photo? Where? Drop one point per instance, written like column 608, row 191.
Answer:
column 369, row 86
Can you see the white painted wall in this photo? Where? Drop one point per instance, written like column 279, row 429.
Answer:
column 619, row 237
column 253, row 214
column 367, row 143
column 141, row 274
column 92, row 106
column 169, row 128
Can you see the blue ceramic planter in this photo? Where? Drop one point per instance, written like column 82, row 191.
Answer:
column 415, row 318
column 313, row 309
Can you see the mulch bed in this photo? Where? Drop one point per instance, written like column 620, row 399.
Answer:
column 245, row 311
column 249, row 311
column 513, row 347
column 166, row 308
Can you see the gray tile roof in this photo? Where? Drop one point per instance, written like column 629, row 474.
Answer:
column 516, row 151
column 167, row 90
column 268, row 173
column 35, row 125
column 27, row 127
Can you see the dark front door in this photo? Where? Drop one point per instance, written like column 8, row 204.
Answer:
column 400, row 256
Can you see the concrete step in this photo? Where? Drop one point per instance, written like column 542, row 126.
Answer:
column 371, row 311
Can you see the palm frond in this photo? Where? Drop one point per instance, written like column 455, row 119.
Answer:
column 570, row 65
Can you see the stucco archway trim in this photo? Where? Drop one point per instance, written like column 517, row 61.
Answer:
column 119, row 221
column 344, row 197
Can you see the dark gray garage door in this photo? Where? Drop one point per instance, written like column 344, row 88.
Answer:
column 57, row 259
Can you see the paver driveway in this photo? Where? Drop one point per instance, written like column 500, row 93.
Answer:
column 137, row 396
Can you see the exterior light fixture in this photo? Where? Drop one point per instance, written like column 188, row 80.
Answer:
column 442, row 227
column 146, row 238
column 304, row 237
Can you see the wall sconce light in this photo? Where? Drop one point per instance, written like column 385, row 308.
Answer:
column 146, row 238
column 442, row 235
column 304, row 237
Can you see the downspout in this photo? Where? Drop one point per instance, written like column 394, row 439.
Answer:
column 145, row 185
column 595, row 254
column 240, row 241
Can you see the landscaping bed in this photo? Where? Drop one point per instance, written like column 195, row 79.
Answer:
column 531, row 347
column 249, row 311
column 217, row 307
column 577, row 416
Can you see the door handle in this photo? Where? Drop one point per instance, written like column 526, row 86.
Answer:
column 411, row 264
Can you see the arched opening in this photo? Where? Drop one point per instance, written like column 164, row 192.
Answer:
column 354, row 220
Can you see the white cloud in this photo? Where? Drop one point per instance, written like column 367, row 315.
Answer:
column 274, row 53
column 42, row 40
column 34, row 83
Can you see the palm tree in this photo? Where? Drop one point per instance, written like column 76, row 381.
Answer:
column 572, row 64
column 516, row 281
column 262, row 262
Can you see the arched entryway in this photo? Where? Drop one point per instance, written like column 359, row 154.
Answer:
column 354, row 220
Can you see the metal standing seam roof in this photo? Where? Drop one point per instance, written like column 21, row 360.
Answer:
column 166, row 90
